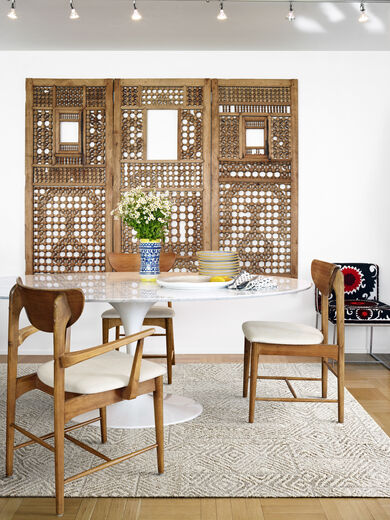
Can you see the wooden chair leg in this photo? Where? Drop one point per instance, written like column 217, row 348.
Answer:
column 173, row 345
column 105, row 329
column 324, row 377
column 169, row 346
column 103, row 424
column 11, row 405
column 247, row 353
column 340, row 389
column 59, row 424
column 253, row 382
column 159, row 424
column 172, row 340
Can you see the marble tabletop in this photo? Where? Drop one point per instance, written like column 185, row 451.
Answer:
column 125, row 287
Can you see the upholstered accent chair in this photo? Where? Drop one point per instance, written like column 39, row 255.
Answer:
column 79, row 381
column 158, row 316
column 362, row 304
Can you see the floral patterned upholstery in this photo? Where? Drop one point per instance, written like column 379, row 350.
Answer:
column 361, row 290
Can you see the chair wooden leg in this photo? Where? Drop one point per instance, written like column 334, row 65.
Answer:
column 159, row 424
column 11, row 405
column 103, row 424
column 340, row 389
column 117, row 332
column 324, row 377
column 253, row 382
column 173, row 345
column 105, row 329
column 59, row 424
column 247, row 354
column 169, row 346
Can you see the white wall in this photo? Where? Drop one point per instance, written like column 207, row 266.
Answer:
column 344, row 175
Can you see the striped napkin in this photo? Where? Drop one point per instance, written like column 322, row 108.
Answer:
column 252, row 282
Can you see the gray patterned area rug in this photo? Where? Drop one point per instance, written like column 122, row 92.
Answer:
column 292, row 449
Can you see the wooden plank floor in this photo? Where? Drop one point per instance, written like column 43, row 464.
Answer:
column 370, row 385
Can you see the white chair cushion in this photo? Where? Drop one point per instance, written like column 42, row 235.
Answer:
column 157, row 311
column 279, row 332
column 99, row 374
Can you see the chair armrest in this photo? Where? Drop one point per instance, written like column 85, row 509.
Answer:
column 25, row 333
column 132, row 388
column 72, row 358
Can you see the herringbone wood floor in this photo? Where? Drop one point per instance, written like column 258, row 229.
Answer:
column 370, row 385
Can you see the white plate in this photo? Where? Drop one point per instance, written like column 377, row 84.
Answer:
column 216, row 253
column 217, row 264
column 195, row 282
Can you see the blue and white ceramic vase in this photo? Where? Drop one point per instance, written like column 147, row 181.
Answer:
column 150, row 259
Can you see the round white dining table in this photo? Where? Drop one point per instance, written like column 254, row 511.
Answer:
column 132, row 299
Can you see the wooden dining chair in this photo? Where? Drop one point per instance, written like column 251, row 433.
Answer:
column 157, row 316
column 292, row 339
column 79, row 381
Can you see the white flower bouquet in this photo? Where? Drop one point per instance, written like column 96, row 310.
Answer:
column 147, row 213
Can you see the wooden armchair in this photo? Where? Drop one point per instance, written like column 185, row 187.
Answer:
column 79, row 381
column 157, row 316
column 293, row 339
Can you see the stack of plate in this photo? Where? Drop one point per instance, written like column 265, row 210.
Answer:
column 218, row 263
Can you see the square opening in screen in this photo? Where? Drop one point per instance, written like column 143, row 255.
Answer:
column 161, row 143
column 69, row 132
column 255, row 137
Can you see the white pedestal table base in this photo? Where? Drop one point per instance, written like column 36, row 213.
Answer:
column 139, row 412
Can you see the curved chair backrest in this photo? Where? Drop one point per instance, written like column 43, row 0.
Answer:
column 361, row 280
column 39, row 304
column 131, row 262
column 323, row 274
column 327, row 277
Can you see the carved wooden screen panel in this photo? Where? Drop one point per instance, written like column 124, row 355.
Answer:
column 255, row 173
column 69, row 127
column 186, row 178
column 76, row 150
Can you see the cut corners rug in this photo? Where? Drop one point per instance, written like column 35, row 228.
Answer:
column 292, row 449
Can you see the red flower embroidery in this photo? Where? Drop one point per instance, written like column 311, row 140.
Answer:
column 363, row 314
column 352, row 279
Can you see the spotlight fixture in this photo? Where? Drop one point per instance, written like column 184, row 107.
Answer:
column 12, row 13
column 363, row 18
column 73, row 13
column 136, row 14
column 221, row 14
column 291, row 15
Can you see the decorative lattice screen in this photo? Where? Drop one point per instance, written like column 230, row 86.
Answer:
column 83, row 149
column 69, row 180
column 186, row 179
column 255, row 184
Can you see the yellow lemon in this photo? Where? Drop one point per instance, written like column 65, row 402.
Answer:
column 217, row 279
column 227, row 278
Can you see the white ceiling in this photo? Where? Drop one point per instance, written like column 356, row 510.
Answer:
column 192, row 25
